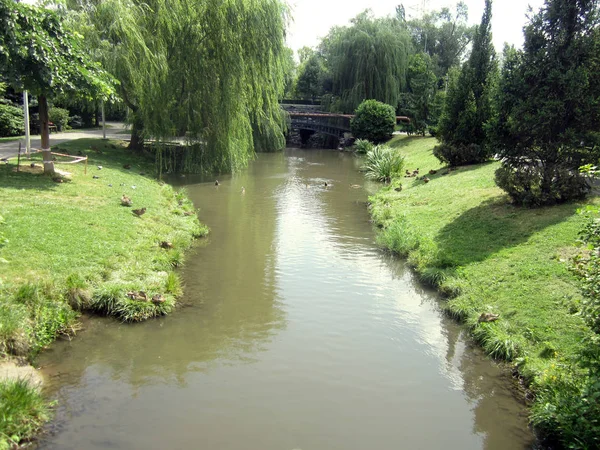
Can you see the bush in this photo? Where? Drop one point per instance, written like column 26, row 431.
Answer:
column 60, row 117
column 374, row 121
column 75, row 121
column 587, row 269
column 533, row 185
column 11, row 120
column 460, row 154
column 383, row 163
column 567, row 408
column 363, row 146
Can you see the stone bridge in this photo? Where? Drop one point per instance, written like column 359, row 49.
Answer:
column 309, row 119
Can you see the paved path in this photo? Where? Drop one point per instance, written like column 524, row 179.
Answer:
column 113, row 131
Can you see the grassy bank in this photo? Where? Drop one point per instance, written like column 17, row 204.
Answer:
column 462, row 235
column 72, row 246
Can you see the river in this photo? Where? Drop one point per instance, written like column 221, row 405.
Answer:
column 295, row 332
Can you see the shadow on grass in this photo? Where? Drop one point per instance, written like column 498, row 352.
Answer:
column 10, row 179
column 109, row 154
column 492, row 226
column 399, row 143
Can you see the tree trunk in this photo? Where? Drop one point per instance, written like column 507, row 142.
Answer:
column 137, row 138
column 45, row 131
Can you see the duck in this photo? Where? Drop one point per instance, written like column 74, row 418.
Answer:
column 139, row 212
column 126, row 201
column 426, row 180
column 415, row 172
column 140, row 296
column 432, row 172
column 127, row 166
column 326, row 184
column 157, row 299
column 488, row 317
column 166, row 245
column 216, row 182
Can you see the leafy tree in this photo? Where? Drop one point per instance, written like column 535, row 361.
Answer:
column 373, row 121
column 290, row 73
column 367, row 59
column 211, row 70
column 11, row 116
column 468, row 102
column 310, row 78
column 548, row 106
column 443, row 35
column 38, row 54
column 422, row 88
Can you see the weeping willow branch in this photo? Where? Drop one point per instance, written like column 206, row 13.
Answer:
column 211, row 71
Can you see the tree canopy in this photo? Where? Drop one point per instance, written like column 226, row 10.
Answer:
column 443, row 35
column 367, row 60
column 37, row 53
column 548, row 107
column 468, row 103
column 212, row 71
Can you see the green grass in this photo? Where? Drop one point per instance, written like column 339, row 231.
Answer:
column 23, row 411
column 71, row 246
column 462, row 235
column 74, row 244
column 11, row 138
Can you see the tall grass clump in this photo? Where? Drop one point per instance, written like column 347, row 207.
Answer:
column 363, row 146
column 383, row 163
column 22, row 412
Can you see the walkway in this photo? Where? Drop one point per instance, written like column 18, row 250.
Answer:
column 114, row 130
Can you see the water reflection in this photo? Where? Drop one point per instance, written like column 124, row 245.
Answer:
column 299, row 333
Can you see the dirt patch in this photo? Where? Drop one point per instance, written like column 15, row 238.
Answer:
column 13, row 369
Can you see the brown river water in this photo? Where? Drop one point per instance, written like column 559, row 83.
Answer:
column 296, row 332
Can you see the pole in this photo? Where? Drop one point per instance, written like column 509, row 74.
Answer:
column 103, row 122
column 19, row 159
column 26, row 118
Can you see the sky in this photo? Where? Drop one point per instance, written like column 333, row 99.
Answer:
column 312, row 19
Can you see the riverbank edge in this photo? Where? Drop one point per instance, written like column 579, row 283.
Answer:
column 395, row 211
column 26, row 410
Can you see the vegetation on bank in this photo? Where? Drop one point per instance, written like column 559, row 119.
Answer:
column 23, row 411
column 461, row 234
column 70, row 245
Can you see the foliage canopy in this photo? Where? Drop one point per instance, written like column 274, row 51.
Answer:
column 373, row 121
column 468, row 102
column 212, row 71
column 548, row 106
column 367, row 60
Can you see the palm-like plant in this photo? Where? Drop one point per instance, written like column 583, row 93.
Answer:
column 383, row 163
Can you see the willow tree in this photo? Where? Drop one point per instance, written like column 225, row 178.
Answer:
column 211, row 71
column 367, row 60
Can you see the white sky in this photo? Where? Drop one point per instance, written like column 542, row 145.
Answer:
column 312, row 19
